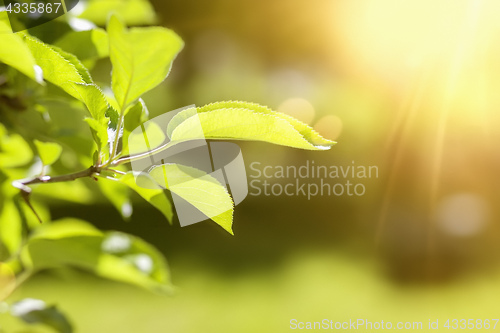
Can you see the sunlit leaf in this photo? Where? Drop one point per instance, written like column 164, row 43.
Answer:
column 34, row 311
column 246, row 121
column 306, row 131
column 141, row 59
column 99, row 129
column 56, row 69
column 15, row 216
column 67, row 72
column 67, row 191
column 49, row 152
column 73, row 60
column 15, row 53
column 139, row 263
column 91, row 95
column 14, row 150
column 133, row 12
column 133, row 118
column 153, row 193
column 150, row 136
column 7, row 281
column 11, row 227
column 199, row 189
column 118, row 194
column 112, row 255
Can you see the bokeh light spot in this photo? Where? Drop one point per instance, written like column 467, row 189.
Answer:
column 298, row 108
column 329, row 126
column 462, row 215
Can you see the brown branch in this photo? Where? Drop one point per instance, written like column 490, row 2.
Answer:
column 23, row 184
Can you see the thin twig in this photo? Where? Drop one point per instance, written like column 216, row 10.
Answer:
column 23, row 184
column 116, row 142
column 116, row 171
column 130, row 158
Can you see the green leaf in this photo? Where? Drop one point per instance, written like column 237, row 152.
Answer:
column 152, row 193
column 85, row 45
column 15, row 53
column 134, row 12
column 112, row 255
column 141, row 59
column 133, row 118
column 92, row 96
column 72, row 59
column 199, row 189
column 49, row 152
column 76, row 192
column 67, row 72
column 130, row 259
column 306, row 131
column 99, row 129
column 56, row 68
column 16, row 216
column 14, row 150
column 118, row 194
column 150, row 136
column 33, row 311
column 246, row 121
column 11, row 227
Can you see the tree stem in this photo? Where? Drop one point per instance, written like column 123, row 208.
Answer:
column 24, row 183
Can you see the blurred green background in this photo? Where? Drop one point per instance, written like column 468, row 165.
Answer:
column 410, row 87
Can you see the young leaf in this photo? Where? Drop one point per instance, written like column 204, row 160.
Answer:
column 67, row 72
column 92, row 96
column 14, row 151
column 112, row 255
column 118, row 194
column 72, row 59
column 99, row 129
column 49, row 152
column 15, row 53
column 242, row 123
column 133, row 118
column 141, row 59
column 306, row 131
column 199, row 189
column 33, row 311
column 11, row 227
column 134, row 12
column 130, row 259
column 153, row 193
column 56, row 68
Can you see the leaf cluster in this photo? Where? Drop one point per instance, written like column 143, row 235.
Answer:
column 47, row 93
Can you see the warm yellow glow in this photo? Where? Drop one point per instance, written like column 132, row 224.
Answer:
column 298, row 108
column 395, row 39
column 440, row 63
column 329, row 126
